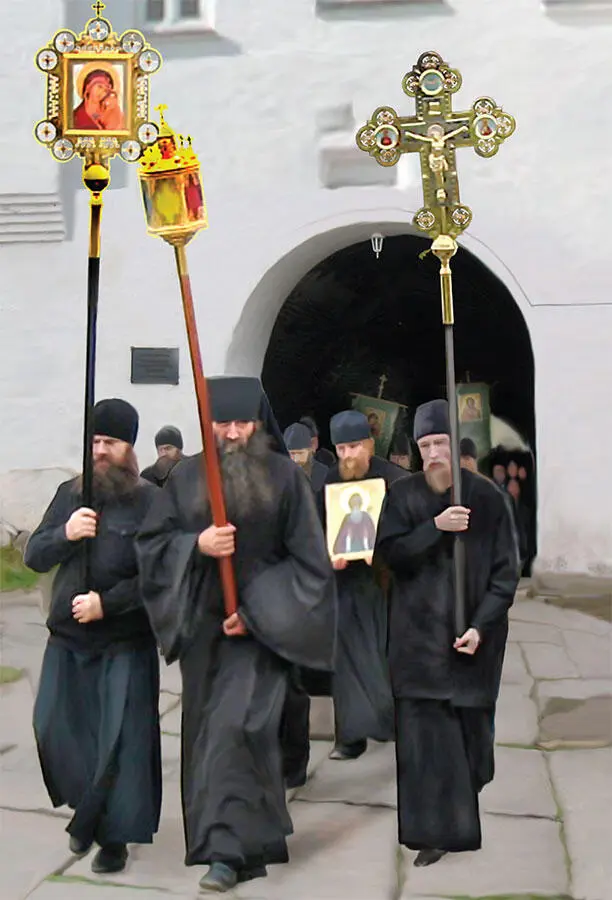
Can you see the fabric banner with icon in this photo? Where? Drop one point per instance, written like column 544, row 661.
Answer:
column 352, row 512
column 382, row 416
column 475, row 415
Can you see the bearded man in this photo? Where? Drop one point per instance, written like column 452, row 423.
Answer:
column 96, row 713
column 235, row 669
column 363, row 705
column 298, row 441
column 445, row 686
column 169, row 446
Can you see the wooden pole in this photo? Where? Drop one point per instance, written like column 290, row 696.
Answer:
column 209, row 445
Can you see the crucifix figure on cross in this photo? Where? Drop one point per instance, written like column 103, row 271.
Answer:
column 435, row 132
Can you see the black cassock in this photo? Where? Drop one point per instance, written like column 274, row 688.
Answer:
column 96, row 715
column 445, row 700
column 234, row 688
column 363, row 704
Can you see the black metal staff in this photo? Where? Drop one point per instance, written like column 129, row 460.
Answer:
column 105, row 123
column 435, row 132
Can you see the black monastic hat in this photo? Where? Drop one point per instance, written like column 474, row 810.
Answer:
column 431, row 418
column 241, row 398
column 117, row 419
column 467, row 447
column 297, row 437
column 349, row 426
column 169, row 435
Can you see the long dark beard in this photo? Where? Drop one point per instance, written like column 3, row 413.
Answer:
column 246, row 478
column 115, row 482
column 355, row 471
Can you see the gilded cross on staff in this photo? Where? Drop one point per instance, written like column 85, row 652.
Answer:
column 435, row 132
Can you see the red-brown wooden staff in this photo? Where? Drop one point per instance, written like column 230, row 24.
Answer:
column 175, row 210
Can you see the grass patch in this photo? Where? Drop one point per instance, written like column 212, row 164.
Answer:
column 8, row 674
column 14, row 575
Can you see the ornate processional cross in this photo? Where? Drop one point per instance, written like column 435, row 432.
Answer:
column 435, row 132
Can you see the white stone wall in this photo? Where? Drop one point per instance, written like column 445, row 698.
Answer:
column 267, row 97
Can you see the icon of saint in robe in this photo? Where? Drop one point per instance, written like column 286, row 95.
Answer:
column 358, row 531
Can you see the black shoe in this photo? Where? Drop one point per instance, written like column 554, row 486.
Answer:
column 78, row 847
column 429, row 857
column 219, row 879
column 109, row 859
column 250, row 874
column 349, row 751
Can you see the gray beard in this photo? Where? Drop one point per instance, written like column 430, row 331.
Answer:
column 247, row 487
column 439, row 482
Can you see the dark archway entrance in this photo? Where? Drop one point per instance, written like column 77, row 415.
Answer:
column 354, row 318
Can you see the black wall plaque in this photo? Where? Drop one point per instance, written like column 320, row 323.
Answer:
column 155, row 365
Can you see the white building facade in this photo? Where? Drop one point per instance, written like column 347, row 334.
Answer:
column 273, row 92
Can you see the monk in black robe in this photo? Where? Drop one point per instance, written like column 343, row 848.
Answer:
column 298, row 441
column 96, row 713
column 363, row 704
column 235, row 670
column 295, row 726
column 445, row 686
column 321, row 454
column 169, row 446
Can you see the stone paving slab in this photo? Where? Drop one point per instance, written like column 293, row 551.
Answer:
column 16, row 704
column 170, row 677
column 32, row 846
column 336, row 852
column 521, row 786
column 590, row 653
column 565, row 619
column 516, row 717
column 549, row 661
column 65, row 889
column 367, row 780
column 21, row 784
column 584, row 787
column 515, row 670
column 519, row 856
column 533, row 632
column 574, row 688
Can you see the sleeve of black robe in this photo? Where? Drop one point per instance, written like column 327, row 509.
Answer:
column 504, row 575
column 48, row 545
column 291, row 606
column 401, row 542
column 172, row 574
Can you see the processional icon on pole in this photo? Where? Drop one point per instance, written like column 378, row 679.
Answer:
column 97, row 107
column 435, row 132
column 175, row 210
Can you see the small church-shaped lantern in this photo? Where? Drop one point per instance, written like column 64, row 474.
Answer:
column 171, row 185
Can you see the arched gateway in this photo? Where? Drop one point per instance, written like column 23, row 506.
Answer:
column 335, row 324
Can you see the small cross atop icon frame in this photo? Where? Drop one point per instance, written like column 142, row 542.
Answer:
column 435, row 132
column 98, row 7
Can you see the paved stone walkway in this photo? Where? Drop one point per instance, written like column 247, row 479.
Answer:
column 547, row 817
